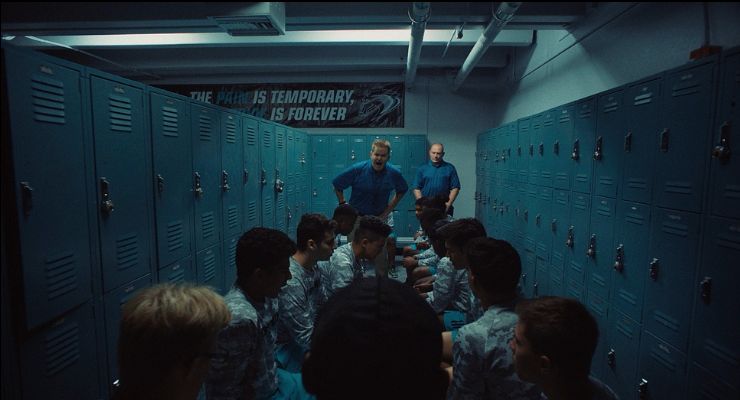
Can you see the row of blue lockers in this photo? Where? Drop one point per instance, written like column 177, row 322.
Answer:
column 637, row 217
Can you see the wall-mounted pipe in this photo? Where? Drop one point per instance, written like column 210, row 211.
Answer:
column 500, row 18
column 419, row 15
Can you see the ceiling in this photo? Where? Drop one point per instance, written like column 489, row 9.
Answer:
column 318, row 38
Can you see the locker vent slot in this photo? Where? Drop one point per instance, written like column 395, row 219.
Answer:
column 252, row 210
column 722, row 353
column 685, row 88
column 666, row 320
column 209, row 267
column 645, row 98
column 60, row 275
column 575, row 266
column 634, row 218
column 731, row 192
column 169, row 121
column 628, row 297
column 230, row 132
column 177, row 276
column 204, row 127
column 674, row 228
column 232, row 217
column 581, row 178
column 728, row 242
column 598, row 279
column 267, row 207
column 127, row 251
column 626, row 329
column 232, row 253
column 660, row 356
column 585, row 113
column 62, row 349
column 251, row 136
column 580, row 203
column 634, row 183
column 611, row 106
column 208, row 223
column 175, row 235
column 120, row 113
column 678, row 187
column 280, row 141
column 267, row 139
column 48, row 100
column 604, row 210
column 564, row 117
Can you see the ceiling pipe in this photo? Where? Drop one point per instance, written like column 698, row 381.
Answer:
column 500, row 18
column 419, row 14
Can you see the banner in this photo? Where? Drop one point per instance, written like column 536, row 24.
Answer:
column 308, row 105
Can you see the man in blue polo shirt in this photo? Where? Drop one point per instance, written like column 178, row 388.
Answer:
column 437, row 177
column 372, row 182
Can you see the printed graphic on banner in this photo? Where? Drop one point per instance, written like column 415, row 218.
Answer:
column 308, row 105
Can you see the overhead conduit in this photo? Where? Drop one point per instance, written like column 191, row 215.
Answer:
column 419, row 15
column 500, row 18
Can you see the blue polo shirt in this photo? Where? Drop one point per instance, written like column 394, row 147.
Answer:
column 370, row 189
column 436, row 179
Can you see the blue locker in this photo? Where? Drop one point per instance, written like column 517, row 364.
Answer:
column 725, row 169
column 60, row 360
column 123, row 178
column 683, row 142
column 608, row 143
column 542, row 148
column 232, row 173
column 229, row 258
column 600, row 250
column 320, row 200
column 562, row 165
column 359, row 149
column 559, row 227
column 662, row 373
column 622, row 346
column 291, row 185
column 512, row 160
column 544, row 237
column 267, row 173
column 716, row 326
column 304, row 175
column 209, row 268
column 522, row 149
column 583, row 141
column 599, row 308
column 577, row 244
column 642, row 104
column 180, row 271
column 535, row 138
column 527, row 211
column 669, row 271
column 319, row 155
column 280, row 177
column 399, row 152
column 252, row 173
column 340, row 157
column 47, row 131
column 705, row 386
column 632, row 231
column 114, row 301
column 173, row 196
column 207, row 178
column 418, row 149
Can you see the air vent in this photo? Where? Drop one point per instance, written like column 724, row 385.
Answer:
column 258, row 19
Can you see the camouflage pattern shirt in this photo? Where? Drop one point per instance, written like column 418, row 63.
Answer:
column 344, row 268
column 450, row 289
column 298, row 301
column 244, row 364
column 482, row 359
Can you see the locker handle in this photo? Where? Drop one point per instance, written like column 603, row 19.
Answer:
column 556, row 147
column 106, row 204
column 519, row 151
column 542, row 149
column 290, row 215
column 654, row 264
column 246, row 176
column 642, row 389
column 664, row 140
column 26, row 198
column 225, row 181
column 628, row 142
column 352, row 157
column 160, row 184
column 611, row 357
column 597, row 150
column 591, row 252
column 315, row 193
column 554, row 225
column 619, row 261
column 537, row 219
column 531, row 149
column 526, row 215
column 279, row 184
column 706, row 289
column 198, row 188
column 722, row 151
column 569, row 242
column 263, row 179
column 576, row 150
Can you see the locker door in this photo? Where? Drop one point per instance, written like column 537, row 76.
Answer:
column 642, row 104
column 725, row 175
column 293, row 166
column 674, row 247
column 207, row 177
column 535, row 161
column 599, row 308
column 114, row 301
column 320, row 201
column 417, row 156
column 607, row 149
column 542, row 150
column 559, row 226
column 229, row 258
column 543, row 227
column 359, row 149
column 47, row 131
column 173, row 196
column 340, row 157
column 209, row 268
column 600, row 249
column 528, row 210
column 622, row 346
column 123, row 180
column 716, row 337
column 252, row 173
column 580, row 147
column 522, row 149
column 278, row 183
column 512, row 160
column 577, row 244
column 267, row 177
column 681, row 162
column 180, row 271
column 662, row 373
column 399, row 152
column 232, row 173
column 705, row 386
column 559, row 145
column 631, row 247
column 304, row 181
column 59, row 360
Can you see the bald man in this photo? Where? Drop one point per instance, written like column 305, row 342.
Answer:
column 436, row 177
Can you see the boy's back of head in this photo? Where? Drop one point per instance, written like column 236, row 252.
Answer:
column 495, row 264
column 371, row 228
column 261, row 248
column 458, row 232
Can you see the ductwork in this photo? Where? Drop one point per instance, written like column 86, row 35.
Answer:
column 419, row 15
column 500, row 18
